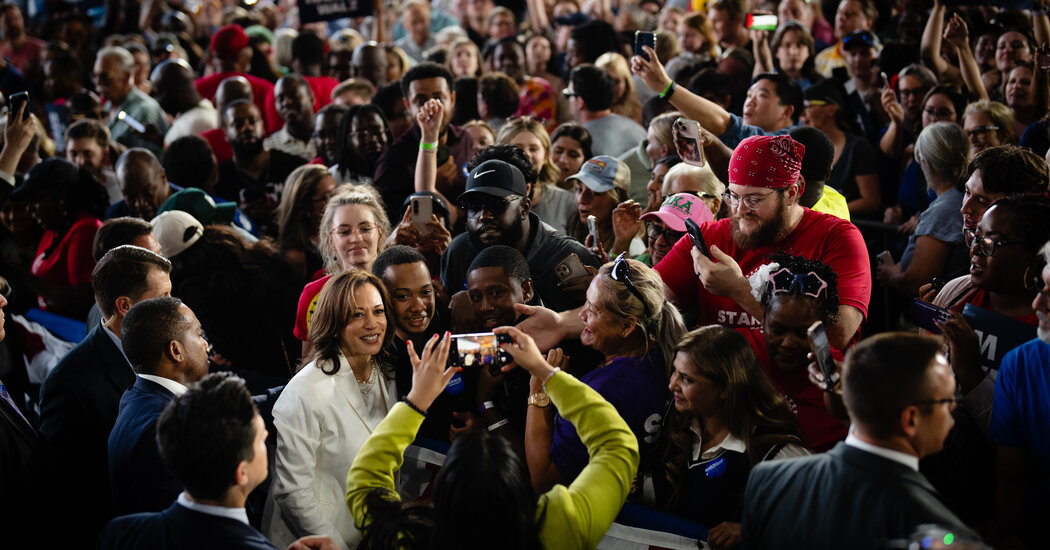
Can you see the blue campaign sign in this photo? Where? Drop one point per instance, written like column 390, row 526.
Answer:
column 327, row 10
column 998, row 334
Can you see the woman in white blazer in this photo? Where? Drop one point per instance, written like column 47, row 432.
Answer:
column 328, row 410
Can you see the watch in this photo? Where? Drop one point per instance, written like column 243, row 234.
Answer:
column 540, row 399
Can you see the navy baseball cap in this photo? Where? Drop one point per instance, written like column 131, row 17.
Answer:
column 496, row 178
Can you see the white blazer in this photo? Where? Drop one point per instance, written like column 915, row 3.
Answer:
column 321, row 423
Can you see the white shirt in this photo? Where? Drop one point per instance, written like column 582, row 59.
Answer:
column 238, row 514
column 906, row 459
column 168, row 384
column 735, row 444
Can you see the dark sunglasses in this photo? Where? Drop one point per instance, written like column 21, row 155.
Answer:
column 621, row 273
column 494, row 205
column 653, row 231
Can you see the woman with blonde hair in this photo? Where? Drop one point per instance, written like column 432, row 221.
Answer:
column 329, row 408
column 625, row 100
column 988, row 124
column 464, row 58
column 352, row 232
column 299, row 215
column 551, row 203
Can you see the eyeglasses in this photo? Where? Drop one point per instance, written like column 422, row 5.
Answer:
column 345, row 231
column 950, row 400
column 968, row 234
column 621, row 273
column 813, row 103
column 752, row 202
column 494, row 205
column 981, row 130
column 943, row 112
column 986, row 246
column 569, row 93
column 653, row 231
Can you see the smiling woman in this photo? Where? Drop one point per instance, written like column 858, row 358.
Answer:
column 328, row 410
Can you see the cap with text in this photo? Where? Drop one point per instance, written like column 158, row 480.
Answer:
column 603, row 173
column 679, row 207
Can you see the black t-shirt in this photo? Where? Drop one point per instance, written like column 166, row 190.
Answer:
column 238, row 187
column 857, row 159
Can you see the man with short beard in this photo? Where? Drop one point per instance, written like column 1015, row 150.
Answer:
column 498, row 212
column 765, row 216
column 1020, row 428
column 254, row 177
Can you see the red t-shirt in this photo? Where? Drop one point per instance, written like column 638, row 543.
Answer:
column 818, row 236
column 261, row 90
column 320, row 86
column 307, row 303
column 72, row 262
column 217, row 139
column 822, row 430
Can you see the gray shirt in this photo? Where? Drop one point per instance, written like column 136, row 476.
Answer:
column 942, row 221
column 613, row 135
column 556, row 207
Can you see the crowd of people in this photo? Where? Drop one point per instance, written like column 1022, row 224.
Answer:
column 248, row 258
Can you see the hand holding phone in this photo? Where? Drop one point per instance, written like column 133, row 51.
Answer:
column 697, row 237
column 422, row 208
column 592, row 229
column 642, row 38
column 818, row 343
column 479, row 349
column 687, row 141
column 17, row 101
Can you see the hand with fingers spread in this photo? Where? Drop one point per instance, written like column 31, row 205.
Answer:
column 430, row 372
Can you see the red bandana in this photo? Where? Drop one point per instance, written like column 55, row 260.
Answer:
column 767, row 161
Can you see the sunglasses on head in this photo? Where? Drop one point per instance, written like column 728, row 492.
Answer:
column 621, row 273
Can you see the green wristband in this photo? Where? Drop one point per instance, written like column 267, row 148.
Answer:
column 428, row 146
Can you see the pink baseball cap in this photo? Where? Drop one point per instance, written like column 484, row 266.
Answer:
column 677, row 208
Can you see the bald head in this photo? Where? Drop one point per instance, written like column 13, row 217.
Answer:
column 230, row 90
column 142, row 182
column 173, row 86
column 369, row 62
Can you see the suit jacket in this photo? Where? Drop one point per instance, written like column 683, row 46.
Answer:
column 845, row 498
column 137, row 474
column 322, row 421
column 79, row 400
column 179, row 528
column 24, row 470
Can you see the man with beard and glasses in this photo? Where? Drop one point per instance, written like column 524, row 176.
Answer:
column 498, row 212
column 765, row 216
column 254, row 177
column 1021, row 428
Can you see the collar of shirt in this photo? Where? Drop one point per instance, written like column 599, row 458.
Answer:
column 168, row 384
column 896, row 456
column 238, row 514
column 729, row 443
column 116, row 341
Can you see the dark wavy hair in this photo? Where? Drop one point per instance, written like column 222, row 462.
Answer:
column 576, row 131
column 335, row 304
column 345, row 152
column 827, row 304
column 753, row 410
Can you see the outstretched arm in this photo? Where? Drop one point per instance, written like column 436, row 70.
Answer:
column 709, row 114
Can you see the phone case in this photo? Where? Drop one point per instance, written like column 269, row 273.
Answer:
column 925, row 314
column 697, row 237
column 642, row 38
column 687, row 141
column 422, row 210
column 569, row 268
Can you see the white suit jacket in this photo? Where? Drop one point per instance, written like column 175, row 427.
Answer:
column 321, row 423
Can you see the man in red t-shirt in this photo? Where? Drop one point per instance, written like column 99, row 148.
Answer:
column 232, row 55
column 765, row 217
column 22, row 50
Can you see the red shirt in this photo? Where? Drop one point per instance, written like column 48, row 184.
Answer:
column 71, row 262
column 818, row 236
column 320, row 86
column 307, row 304
column 261, row 90
column 26, row 58
column 807, row 401
column 217, row 139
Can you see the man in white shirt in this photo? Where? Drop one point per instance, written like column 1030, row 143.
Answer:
column 163, row 340
column 900, row 393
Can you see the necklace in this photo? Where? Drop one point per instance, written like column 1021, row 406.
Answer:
column 366, row 385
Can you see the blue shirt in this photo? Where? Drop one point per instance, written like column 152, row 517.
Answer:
column 1021, row 411
column 739, row 131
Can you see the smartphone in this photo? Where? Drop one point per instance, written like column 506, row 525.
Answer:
column 479, row 349
column 135, row 125
column 883, row 81
column 687, row 141
column 592, row 229
column 642, row 38
column 422, row 209
column 925, row 315
column 818, row 342
column 884, row 258
column 569, row 268
column 697, row 237
column 17, row 100
column 761, row 22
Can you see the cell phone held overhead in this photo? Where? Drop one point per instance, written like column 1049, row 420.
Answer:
column 643, row 38
column 687, row 141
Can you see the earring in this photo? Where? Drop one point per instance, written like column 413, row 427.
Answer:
column 1031, row 282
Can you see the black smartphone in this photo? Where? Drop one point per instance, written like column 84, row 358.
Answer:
column 818, row 342
column 925, row 315
column 17, row 100
column 479, row 349
column 642, row 38
column 697, row 236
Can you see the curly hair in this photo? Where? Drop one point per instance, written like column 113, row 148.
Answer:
column 827, row 302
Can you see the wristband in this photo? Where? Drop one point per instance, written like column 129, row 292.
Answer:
column 669, row 90
column 428, row 146
column 549, row 376
column 486, row 406
column 498, row 425
column 414, row 407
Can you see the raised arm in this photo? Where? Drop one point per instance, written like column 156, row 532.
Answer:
column 710, row 115
column 763, row 55
column 537, row 16
column 959, row 37
column 930, row 46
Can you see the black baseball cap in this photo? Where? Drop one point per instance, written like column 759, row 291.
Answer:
column 857, row 39
column 496, row 178
column 50, row 175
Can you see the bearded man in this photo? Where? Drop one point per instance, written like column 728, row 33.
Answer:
column 765, row 217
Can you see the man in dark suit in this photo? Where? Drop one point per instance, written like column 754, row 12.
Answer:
column 79, row 399
column 900, row 392
column 164, row 342
column 213, row 441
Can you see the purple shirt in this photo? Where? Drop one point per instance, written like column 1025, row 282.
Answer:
column 637, row 387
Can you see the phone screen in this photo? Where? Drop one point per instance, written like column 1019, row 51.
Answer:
column 478, row 349
column 818, row 342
